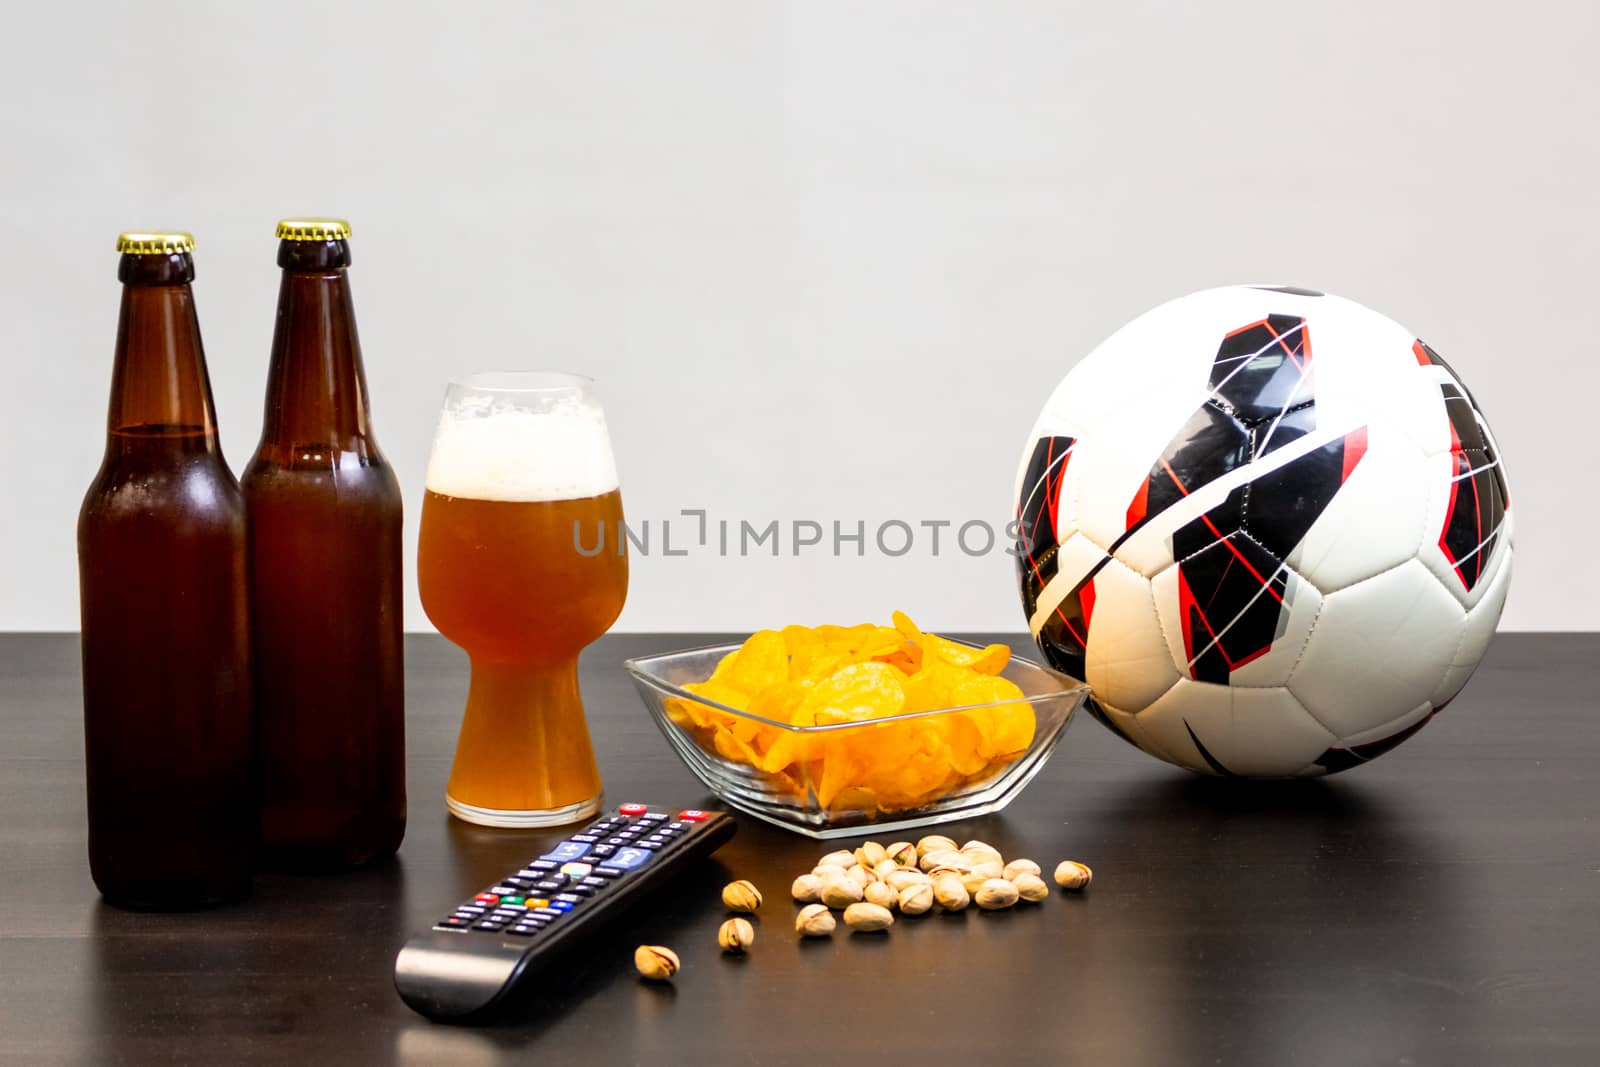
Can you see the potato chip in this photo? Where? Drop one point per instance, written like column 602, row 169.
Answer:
column 1007, row 727
column 858, row 691
column 762, row 661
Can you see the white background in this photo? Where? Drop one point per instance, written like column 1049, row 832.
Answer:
column 825, row 259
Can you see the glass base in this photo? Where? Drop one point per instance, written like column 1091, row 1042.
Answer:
column 522, row 820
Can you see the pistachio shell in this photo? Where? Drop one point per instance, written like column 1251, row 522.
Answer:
column 950, row 893
column 806, row 889
column 880, row 894
column 905, row 877
column 866, row 918
column 903, row 852
column 840, row 892
column 916, row 899
column 994, row 894
column 741, row 896
column 871, row 854
column 1072, row 875
column 736, row 935
column 1016, row 867
column 1030, row 887
column 814, row 920
column 945, row 859
column 655, row 962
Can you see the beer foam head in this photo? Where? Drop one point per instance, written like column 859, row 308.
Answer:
column 510, row 454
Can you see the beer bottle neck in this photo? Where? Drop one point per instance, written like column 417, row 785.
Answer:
column 316, row 387
column 159, row 387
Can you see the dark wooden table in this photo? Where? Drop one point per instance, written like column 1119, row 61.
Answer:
column 1438, row 906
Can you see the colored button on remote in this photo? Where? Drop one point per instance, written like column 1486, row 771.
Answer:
column 634, row 809
column 693, row 815
column 627, row 859
column 567, row 850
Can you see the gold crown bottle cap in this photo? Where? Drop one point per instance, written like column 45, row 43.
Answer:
column 313, row 230
column 157, row 243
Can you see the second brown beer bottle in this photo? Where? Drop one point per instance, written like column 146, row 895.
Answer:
column 324, row 514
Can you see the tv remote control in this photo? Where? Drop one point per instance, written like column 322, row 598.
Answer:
column 471, row 960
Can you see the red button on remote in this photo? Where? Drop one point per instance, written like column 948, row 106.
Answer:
column 693, row 815
column 633, row 809
column 487, row 898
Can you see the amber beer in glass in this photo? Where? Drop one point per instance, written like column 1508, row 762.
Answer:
column 520, row 485
column 161, row 560
column 325, row 579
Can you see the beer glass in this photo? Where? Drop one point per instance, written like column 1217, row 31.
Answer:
column 520, row 562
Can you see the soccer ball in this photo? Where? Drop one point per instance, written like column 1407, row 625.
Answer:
column 1269, row 527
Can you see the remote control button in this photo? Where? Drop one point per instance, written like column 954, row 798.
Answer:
column 471, row 906
column 552, row 912
column 535, row 903
column 553, row 884
column 653, row 843
column 617, row 841
column 675, row 826
column 513, row 900
column 455, row 922
column 522, row 931
column 590, row 883
column 487, row 898
column 567, row 850
column 634, row 809
column 490, row 925
column 626, row 859
column 600, row 852
column 581, row 890
column 585, row 839
column 538, row 867
column 558, row 906
column 654, row 816
column 606, row 872
column 694, row 815
column 576, row 870
column 501, row 890
column 567, row 898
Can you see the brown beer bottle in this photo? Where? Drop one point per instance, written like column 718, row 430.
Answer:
column 325, row 551
column 162, row 579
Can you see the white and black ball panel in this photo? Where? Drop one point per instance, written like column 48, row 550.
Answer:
column 1126, row 652
column 1130, row 728
column 1482, row 618
column 1393, row 635
column 1383, row 731
column 1375, row 521
column 1294, row 605
column 1235, row 731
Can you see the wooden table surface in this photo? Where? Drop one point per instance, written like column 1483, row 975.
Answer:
column 1437, row 906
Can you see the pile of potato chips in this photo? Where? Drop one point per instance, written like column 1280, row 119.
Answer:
column 836, row 675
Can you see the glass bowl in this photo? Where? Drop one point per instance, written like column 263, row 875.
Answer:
column 708, row 736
